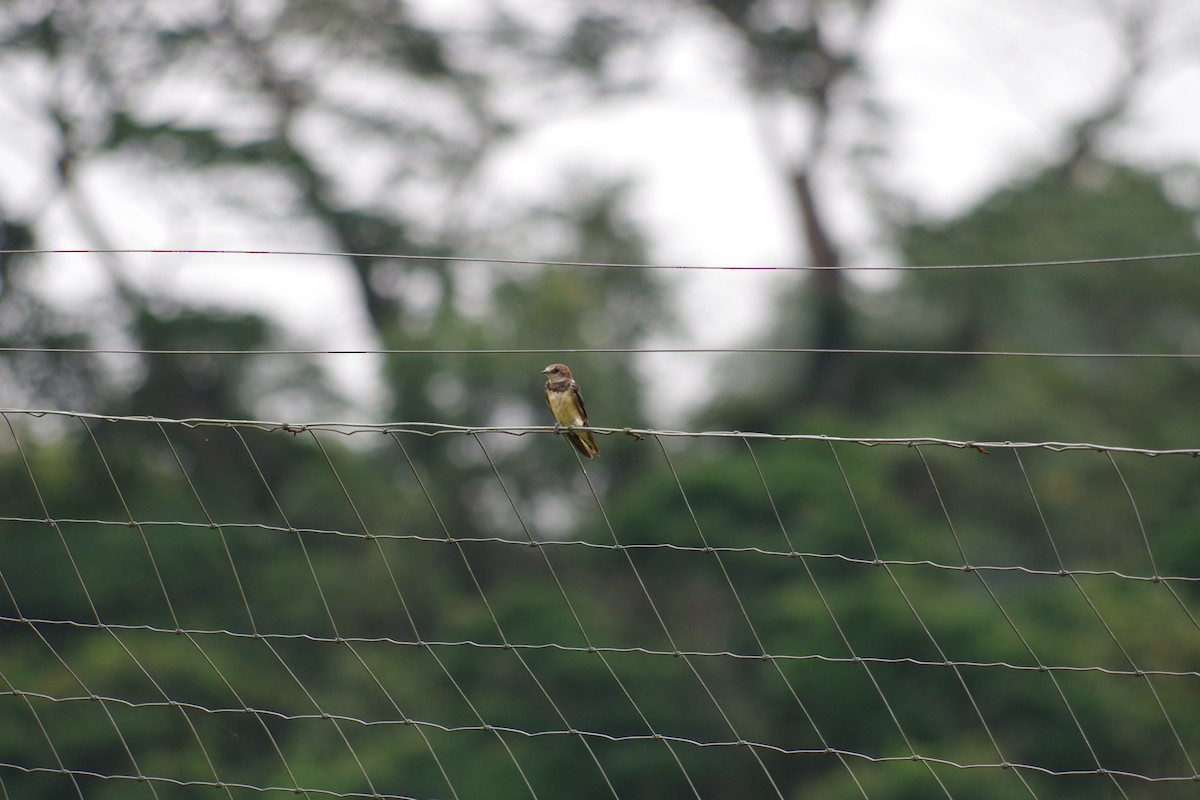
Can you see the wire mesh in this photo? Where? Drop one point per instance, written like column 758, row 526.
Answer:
column 245, row 608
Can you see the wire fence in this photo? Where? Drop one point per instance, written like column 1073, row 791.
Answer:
column 243, row 608
column 240, row 608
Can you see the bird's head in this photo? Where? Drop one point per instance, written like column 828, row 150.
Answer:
column 557, row 372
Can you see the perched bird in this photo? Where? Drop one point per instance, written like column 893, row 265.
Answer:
column 566, row 404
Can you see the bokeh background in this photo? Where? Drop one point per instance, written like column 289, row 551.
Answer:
column 220, row 608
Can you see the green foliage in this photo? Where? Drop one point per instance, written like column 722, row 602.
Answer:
column 1033, row 510
column 472, row 615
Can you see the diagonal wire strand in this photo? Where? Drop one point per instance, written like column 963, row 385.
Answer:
column 165, row 594
column 911, row 606
column 812, row 577
column 1012, row 624
column 590, row 647
column 686, row 657
column 1045, row 525
column 483, row 596
column 258, row 718
column 733, row 589
column 846, row 638
column 87, row 597
column 37, row 718
column 396, row 587
column 324, row 601
column 1137, row 515
column 566, row 599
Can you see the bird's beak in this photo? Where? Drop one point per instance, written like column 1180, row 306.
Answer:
column 546, row 371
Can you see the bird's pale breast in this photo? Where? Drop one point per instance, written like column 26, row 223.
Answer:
column 562, row 405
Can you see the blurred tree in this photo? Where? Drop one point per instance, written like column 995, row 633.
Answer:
column 1042, row 511
column 357, row 126
column 804, row 58
column 315, row 572
column 151, row 90
column 1085, row 206
column 424, row 107
column 1119, row 308
column 808, row 60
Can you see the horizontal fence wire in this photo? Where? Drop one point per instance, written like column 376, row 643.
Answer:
column 432, row 429
column 483, row 260
column 592, row 649
column 604, row 350
column 223, row 607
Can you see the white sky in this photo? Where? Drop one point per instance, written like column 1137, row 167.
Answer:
column 977, row 93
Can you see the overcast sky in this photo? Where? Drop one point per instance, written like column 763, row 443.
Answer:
column 978, row 94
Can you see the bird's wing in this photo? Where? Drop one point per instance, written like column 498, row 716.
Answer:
column 578, row 395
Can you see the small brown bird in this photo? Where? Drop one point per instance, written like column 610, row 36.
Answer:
column 566, row 404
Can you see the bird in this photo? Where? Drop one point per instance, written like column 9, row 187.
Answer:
column 566, row 404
